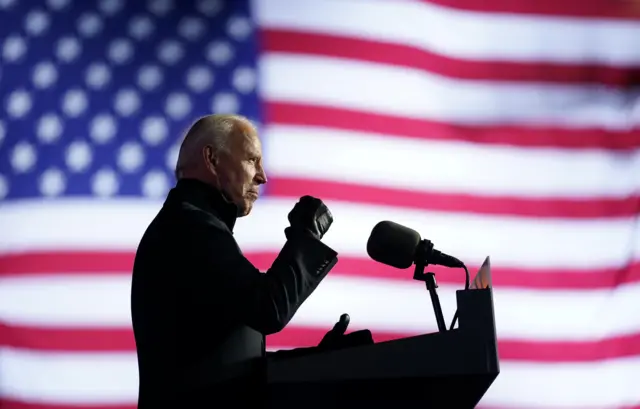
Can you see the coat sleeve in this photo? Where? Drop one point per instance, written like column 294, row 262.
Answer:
column 223, row 280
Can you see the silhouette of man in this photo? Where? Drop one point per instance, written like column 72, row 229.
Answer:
column 200, row 309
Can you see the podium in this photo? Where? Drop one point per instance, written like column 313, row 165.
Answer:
column 449, row 369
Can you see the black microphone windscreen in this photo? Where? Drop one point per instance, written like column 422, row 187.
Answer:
column 393, row 244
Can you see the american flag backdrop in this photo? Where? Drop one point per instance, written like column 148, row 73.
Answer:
column 508, row 128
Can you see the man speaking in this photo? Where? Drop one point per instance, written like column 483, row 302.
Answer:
column 200, row 309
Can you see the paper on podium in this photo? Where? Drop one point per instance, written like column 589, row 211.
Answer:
column 483, row 277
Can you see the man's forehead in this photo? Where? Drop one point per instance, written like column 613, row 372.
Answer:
column 247, row 139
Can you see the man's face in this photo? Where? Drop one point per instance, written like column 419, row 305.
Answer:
column 239, row 171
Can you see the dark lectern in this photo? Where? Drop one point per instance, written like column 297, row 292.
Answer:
column 449, row 369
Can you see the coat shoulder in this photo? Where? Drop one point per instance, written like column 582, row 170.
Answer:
column 177, row 218
column 193, row 217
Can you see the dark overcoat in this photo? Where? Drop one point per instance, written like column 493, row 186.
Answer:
column 200, row 309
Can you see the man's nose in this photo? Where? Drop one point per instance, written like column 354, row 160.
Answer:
column 261, row 176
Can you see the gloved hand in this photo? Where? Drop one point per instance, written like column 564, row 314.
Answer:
column 337, row 339
column 310, row 215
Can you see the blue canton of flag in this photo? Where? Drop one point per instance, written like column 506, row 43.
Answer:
column 96, row 94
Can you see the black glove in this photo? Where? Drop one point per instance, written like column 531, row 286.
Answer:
column 337, row 339
column 309, row 216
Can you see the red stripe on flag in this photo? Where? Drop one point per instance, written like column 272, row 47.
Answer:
column 296, row 42
column 600, row 9
column 462, row 203
column 119, row 263
column 121, row 340
column 282, row 113
column 67, row 339
column 67, row 262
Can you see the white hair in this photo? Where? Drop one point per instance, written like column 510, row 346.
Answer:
column 215, row 130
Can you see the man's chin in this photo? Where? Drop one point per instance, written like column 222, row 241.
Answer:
column 245, row 209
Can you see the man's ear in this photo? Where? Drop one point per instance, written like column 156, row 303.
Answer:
column 210, row 157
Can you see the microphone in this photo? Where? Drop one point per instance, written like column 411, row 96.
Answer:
column 400, row 247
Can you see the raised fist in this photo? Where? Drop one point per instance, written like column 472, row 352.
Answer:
column 310, row 216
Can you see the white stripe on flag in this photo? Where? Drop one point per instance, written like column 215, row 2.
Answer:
column 382, row 305
column 412, row 93
column 593, row 385
column 510, row 241
column 461, row 34
column 69, row 378
column 395, row 162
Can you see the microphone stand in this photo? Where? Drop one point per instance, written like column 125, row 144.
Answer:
column 423, row 250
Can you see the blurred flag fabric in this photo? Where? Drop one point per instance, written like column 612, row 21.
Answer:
column 501, row 128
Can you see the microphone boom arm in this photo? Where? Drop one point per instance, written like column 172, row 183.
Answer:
column 425, row 247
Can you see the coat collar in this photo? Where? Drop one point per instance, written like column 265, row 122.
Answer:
column 208, row 199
